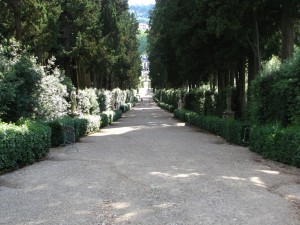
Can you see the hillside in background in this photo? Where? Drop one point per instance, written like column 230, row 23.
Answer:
column 141, row 12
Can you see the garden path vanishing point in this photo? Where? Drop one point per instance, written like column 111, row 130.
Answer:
column 151, row 169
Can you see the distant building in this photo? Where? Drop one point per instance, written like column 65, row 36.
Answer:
column 144, row 78
column 145, row 62
column 143, row 26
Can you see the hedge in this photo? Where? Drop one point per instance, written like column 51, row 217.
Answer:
column 231, row 130
column 93, row 123
column 165, row 106
column 57, row 137
column 277, row 143
column 126, row 107
column 24, row 144
column 107, row 117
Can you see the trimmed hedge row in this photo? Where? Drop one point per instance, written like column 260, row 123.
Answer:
column 277, row 143
column 231, row 130
column 271, row 141
column 165, row 106
column 24, row 144
column 57, row 137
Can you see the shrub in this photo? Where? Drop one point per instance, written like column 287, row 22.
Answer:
column 105, row 121
column 125, row 108
column 165, row 106
column 88, row 102
column 277, row 143
column 231, row 130
column 23, row 144
column 19, row 78
column 81, row 124
column 93, row 123
column 117, row 114
column 277, row 93
column 57, row 137
column 51, row 94
column 104, row 100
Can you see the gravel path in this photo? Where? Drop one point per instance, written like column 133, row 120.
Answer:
column 151, row 169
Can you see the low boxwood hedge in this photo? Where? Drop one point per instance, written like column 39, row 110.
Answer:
column 165, row 106
column 277, row 143
column 23, row 144
column 107, row 117
column 57, row 137
column 231, row 130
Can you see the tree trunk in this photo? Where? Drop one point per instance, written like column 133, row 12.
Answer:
column 251, row 74
column 17, row 17
column 240, row 88
column 256, row 48
column 288, row 34
column 221, row 83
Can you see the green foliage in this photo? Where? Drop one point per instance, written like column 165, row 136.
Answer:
column 170, row 97
column 57, row 137
column 105, row 120
column 277, row 143
column 108, row 117
column 126, row 107
column 143, row 41
column 277, row 93
column 23, row 144
column 19, row 79
column 117, row 114
column 93, row 41
column 29, row 89
column 165, row 106
column 81, row 127
column 231, row 130
column 200, row 100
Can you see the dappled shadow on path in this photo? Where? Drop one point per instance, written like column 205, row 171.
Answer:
column 149, row 168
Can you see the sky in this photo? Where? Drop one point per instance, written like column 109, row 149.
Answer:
column 141, row 2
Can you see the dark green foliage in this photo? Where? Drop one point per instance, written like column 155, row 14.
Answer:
column 220, row 98
column 125, row 107
column 170, row 97
column 231, row 130
column 94, row 42
column 200, row 100
column 108, row 117
column 81, row 124
column 57, row 137
column 19, row 78
column 277, row 143
column 23, row 144
column 165, row 106
column 117, row 114
column 277, row 94
column 105, row 120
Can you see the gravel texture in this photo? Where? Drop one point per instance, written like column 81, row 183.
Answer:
column 151, row 169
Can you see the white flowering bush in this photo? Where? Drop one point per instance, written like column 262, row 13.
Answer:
column 88, row 102
column 51, row 94
column 104, row 99
column 93, row 123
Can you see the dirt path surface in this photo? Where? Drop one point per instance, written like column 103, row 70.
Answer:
column 151, row 169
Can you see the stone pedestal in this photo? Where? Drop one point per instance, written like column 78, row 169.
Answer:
column 228, row 115
column 180, row 104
